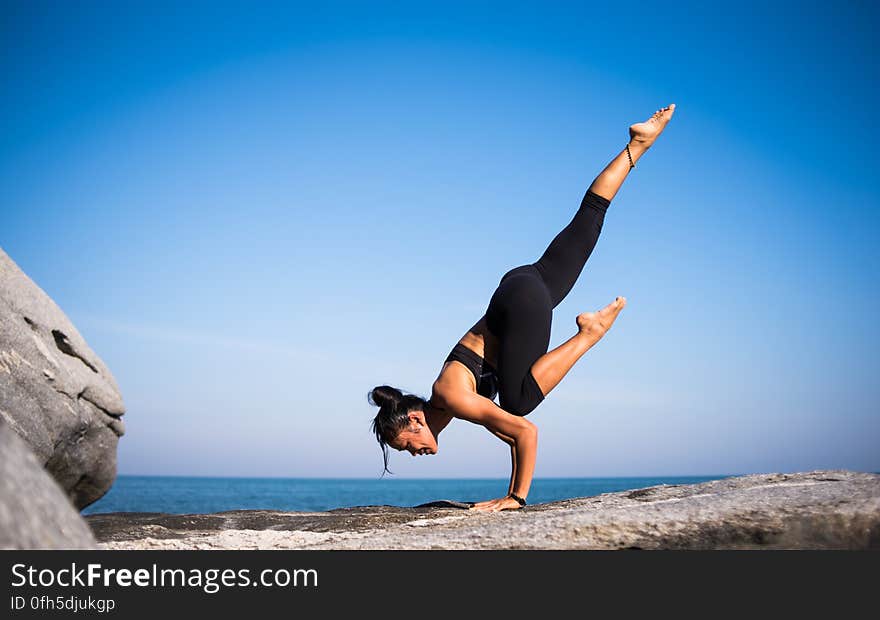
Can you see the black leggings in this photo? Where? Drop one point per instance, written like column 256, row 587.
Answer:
column 521, row 308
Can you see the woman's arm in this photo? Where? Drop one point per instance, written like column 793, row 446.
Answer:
column 522, row 434
column 510, row 442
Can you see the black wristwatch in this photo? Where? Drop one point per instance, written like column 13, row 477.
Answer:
column 518, row 499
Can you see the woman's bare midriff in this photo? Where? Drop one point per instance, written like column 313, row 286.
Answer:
column 454, row 375
column 482, row 342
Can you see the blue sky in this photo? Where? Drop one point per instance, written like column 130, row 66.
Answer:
column 256, row 213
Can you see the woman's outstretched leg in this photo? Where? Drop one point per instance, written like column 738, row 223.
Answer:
column 551, row 367
column 642, row 136
column 563, row 261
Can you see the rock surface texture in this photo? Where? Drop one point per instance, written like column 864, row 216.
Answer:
column 34, row 511
column 814, row 510
column 54, row 391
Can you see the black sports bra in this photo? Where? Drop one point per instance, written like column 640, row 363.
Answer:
column 484, row 373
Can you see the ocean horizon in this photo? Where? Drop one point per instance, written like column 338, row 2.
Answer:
column 202, row 494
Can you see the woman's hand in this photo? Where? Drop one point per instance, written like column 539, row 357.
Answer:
column 494, row 505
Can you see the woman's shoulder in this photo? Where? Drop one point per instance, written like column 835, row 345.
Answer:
column 455, row 393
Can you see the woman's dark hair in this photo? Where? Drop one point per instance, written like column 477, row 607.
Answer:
column 394, row 407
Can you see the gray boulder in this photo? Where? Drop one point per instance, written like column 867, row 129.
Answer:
column 34, row 511
column 54, row 391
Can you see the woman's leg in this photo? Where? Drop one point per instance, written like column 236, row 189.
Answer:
column 519, row 315
column 564, row 259
column 642, row 136
column 549, row 369
column 561, row 265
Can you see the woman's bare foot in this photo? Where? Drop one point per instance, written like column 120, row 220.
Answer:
column 595, row 324
column 645, row 133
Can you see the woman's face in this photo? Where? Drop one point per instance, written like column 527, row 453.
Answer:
column 417, row 438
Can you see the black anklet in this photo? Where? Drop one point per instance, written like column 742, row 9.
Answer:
column 631, row 164
column 518, row 499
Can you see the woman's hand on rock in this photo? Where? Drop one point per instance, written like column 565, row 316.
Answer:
column 495, row 505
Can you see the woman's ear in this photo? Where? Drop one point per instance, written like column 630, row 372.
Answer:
column 417, row 417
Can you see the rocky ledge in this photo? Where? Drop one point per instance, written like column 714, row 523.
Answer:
column 813, row 510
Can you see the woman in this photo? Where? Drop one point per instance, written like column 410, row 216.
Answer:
column 505, row 352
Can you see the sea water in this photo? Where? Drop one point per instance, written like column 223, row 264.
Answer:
column 189, row 495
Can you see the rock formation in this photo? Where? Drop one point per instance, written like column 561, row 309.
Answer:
column 34, row 511
column 54, row 391
column 814, row 510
